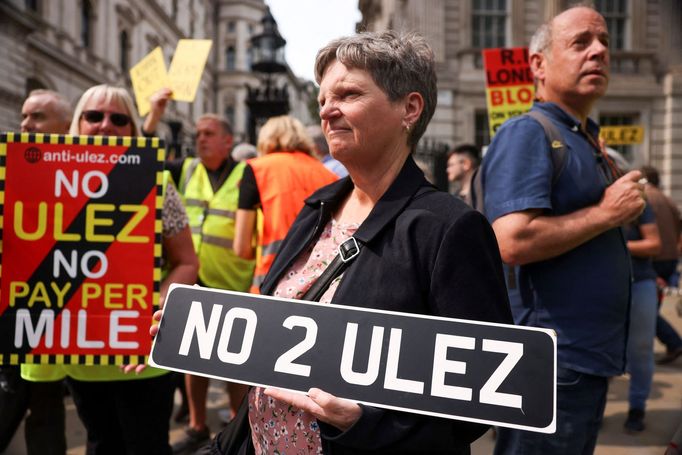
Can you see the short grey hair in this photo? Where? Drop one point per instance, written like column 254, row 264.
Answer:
column 109, row 93
column 223, row 121
column 399, row 64
column 316, row 134
column 541, row 40
column 61, row 106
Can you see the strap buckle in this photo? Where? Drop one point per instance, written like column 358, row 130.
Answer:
column 348, row 249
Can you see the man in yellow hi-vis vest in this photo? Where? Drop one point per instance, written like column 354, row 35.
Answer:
column 36, row 388
column 208, row 185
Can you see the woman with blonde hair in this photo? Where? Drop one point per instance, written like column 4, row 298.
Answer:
column 125, row 412
column 276, row 183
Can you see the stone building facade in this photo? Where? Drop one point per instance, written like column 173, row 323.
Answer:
column 646, row 66
column 70, row 45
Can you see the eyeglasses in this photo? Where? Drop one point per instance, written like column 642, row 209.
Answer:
column 115, row 118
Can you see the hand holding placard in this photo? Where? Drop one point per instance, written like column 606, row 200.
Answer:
column 149, row 75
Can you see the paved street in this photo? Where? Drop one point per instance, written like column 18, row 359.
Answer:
column 664, row 413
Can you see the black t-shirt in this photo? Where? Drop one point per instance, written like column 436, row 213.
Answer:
column 249, row 196
column 216, row 177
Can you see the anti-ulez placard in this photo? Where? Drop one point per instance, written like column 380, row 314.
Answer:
column 81, row 247
column 509, row 84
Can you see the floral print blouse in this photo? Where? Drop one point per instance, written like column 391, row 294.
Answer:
column 276, row 427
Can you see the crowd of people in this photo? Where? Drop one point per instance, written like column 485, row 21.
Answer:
column 577, row 244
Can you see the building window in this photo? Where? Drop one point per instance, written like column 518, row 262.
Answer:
column 33, row 84
column 249, row 58
column 481, row 129
column 123, row 46
column 620, row 120
column 615, row 13
column 86, row 23
column 488, row 23
column 32, row 5
column 230, row 27
column 229, row 114
column 230, row 58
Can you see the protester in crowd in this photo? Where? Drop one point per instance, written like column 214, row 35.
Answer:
column 244, row 151
column 643, row 242
column 36, row 388
column 463, row 161
column 321, row 150
column 125, row 411
column 669, row 224
column 567, row 265
column 208, row 184
column 276, row 183
column 422, row 251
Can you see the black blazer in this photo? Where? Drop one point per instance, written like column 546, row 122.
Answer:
column 425, row 252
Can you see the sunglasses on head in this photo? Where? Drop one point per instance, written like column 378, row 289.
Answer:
column 115, row 118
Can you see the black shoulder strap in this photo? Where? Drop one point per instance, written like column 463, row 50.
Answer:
column 475, row 198
column 555, row 140
column 348, row 251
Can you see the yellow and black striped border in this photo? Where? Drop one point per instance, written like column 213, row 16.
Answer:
column 153, row 143
column 72, row 359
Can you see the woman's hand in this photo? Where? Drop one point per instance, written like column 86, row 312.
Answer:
column 153, row 330
column 158, row 102
column 324, row 406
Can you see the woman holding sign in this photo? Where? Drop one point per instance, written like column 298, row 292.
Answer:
column 420, row 250
column 125, row 411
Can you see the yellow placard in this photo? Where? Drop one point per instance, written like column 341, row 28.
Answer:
column 186, row 68
column 622, row 135
column 507, row 102
column 148, row 76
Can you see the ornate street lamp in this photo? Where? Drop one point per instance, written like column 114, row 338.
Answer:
column 267, row 59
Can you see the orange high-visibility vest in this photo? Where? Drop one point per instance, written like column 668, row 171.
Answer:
column 284, row 181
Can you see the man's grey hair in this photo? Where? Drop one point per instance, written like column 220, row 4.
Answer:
column 541, row 40
column 61, row 106
column 399, row 64
column 223, row 121
column 316, row 134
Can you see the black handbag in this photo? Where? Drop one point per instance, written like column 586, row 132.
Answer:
column 235, row 439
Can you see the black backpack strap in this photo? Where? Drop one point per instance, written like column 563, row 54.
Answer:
column 475, row 197
column 555, row 140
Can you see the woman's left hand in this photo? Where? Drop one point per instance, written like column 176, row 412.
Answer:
column 324, row 406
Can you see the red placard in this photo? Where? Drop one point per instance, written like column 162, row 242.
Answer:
column 80, row 247
column 509, row 84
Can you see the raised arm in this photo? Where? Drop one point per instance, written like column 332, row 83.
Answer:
column 158, row 101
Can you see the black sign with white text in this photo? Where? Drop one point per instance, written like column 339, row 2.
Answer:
column 467, row 370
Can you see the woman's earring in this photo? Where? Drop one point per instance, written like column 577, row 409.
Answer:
column 407, row 128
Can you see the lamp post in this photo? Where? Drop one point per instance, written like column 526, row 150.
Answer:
column 268, row 60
